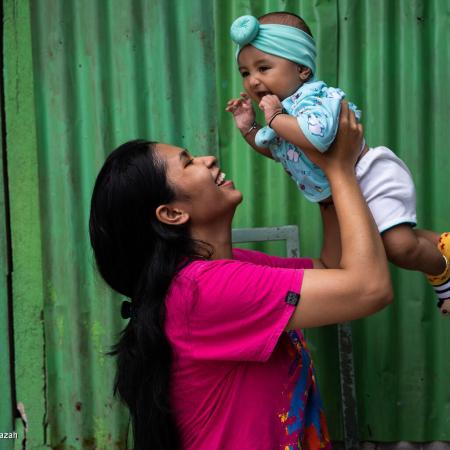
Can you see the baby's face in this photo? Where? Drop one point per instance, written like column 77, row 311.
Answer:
column 265, row 74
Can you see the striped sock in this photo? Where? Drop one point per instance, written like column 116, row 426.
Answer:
column 442, row 292
column 441, row 283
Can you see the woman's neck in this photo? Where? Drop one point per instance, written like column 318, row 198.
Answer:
column 218, row 237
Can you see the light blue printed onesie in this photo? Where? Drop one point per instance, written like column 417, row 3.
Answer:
column 316, row 107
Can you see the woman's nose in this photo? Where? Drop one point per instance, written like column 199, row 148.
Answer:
column 209, row 161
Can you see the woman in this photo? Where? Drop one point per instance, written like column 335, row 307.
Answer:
column 211, row 357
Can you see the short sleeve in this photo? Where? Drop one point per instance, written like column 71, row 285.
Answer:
column 240, row 309
column 318, row 117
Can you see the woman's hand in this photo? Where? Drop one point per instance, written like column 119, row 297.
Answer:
column 346, row 147
column 243, row 112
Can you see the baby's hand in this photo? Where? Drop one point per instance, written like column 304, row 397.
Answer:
column 270, row 104
column 243, row 112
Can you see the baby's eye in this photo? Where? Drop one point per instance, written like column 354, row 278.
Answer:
column 263, row 68
column 244, row 74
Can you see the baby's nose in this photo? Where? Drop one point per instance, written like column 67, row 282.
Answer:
column 254, row 81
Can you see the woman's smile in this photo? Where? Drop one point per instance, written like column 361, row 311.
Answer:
column 227, row 184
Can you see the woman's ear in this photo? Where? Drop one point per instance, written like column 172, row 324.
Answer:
column 171, row 215
column 304, row 72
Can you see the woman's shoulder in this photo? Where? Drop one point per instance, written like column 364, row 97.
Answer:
column 197, row 268
column 214, row 272
column 201, row 278
column 244, row 260
column 251, row 256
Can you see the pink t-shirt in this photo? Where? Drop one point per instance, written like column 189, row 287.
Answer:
column 238, row 380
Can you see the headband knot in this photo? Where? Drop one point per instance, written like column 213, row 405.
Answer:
column 284, row 41
column 244, row 29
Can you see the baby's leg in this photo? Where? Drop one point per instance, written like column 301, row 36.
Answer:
column 429, row 235
column 425, row 251
column 413, row 249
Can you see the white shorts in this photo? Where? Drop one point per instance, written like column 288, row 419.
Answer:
column 388, row 188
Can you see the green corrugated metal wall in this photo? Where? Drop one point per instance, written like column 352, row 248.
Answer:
column 6, row 410
column 108, row 71
column 24, row 200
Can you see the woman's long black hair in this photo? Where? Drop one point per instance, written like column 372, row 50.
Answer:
column 138, row 256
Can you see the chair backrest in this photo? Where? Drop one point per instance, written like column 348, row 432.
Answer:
column 288, row 233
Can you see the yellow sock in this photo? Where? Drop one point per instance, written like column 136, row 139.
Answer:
column 444, row 245
column 437, row 280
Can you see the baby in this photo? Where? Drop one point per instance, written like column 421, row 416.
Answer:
column 276, row 58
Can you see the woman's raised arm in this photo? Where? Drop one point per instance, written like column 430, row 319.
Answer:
column 361, row 285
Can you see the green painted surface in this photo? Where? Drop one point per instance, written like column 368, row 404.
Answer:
column 104, row 73
column 400, row 356
column 109, row 71
column 25, row 220
column 6, row 403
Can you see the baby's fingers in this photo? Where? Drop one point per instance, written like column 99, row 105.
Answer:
column 232, row 105
column 232, row 102
column 246, row 100
column 262, row 104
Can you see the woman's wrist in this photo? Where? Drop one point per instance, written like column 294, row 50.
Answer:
column 338, row 171
column 339, row 181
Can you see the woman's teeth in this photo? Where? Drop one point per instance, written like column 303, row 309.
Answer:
column 220, row 179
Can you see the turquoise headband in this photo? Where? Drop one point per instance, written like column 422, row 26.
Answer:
column 279, row 40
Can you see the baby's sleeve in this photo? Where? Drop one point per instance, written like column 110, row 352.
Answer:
column 317, row 115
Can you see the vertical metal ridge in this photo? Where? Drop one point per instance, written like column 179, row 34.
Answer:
column 7, row 369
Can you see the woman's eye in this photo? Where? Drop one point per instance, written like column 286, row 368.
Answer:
column 244, row 74
column 191, row 161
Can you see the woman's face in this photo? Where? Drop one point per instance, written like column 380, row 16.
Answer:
column 200, row 186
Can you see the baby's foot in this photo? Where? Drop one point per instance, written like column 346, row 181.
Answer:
column 264, row 136
column 441, row 283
